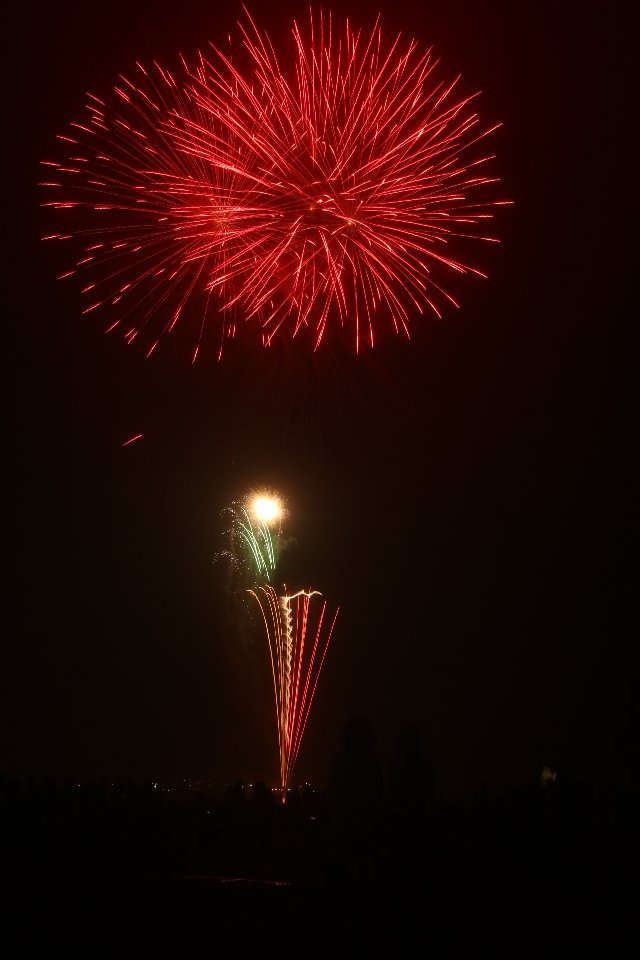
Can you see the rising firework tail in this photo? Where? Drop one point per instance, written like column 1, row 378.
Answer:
column 336, row 185
column 298, row 630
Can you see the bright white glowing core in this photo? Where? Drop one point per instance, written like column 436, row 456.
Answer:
column 266, row 509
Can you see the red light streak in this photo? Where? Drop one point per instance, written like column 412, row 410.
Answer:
column 295, row 670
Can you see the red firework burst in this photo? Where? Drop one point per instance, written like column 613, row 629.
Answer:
column 352, row 173
column 336, row 190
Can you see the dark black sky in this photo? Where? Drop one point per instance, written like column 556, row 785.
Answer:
column 466, row 497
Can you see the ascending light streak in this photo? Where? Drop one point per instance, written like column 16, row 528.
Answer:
column 288, row 622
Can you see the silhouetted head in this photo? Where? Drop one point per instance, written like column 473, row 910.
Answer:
column 261, row 794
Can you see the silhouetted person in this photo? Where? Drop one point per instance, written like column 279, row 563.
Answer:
column 234, row 797
column 410, row 800
column 411, row 781
column 234, row 810
column 262, row 813
column 262, row 798
column 356, row 799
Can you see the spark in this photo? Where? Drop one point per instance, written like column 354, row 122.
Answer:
column 148, row 217
column 138, row 436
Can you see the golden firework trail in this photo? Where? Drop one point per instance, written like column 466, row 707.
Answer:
column 298, row 634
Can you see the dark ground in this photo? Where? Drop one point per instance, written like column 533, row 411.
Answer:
column 378, row 860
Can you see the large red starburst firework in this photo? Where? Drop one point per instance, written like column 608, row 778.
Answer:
column 339, row 186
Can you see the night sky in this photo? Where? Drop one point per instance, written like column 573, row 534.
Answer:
column 466, row 496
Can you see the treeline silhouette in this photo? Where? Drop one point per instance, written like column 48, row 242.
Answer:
column 375, row 859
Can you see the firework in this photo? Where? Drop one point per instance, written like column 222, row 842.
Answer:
column 335, row 185
column 297, row 625
column 357, row 179
column 149, row 218
column 253, row 545
column 298, row 636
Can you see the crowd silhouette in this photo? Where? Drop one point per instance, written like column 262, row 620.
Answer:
column 375, row 859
